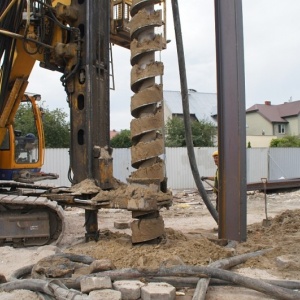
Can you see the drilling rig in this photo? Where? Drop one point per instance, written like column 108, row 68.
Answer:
column 74, row 37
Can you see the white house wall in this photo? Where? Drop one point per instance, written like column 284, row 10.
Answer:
column 260, row 140
column 256, row 125
column 167, row 114
column 292, row 128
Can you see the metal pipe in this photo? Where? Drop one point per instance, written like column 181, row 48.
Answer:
column 21, row 37
column 264, row 181
column 7, row 10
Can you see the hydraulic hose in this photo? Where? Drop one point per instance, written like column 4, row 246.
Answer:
column 186, row 112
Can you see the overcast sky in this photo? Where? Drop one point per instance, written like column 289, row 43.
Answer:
column 272, row 57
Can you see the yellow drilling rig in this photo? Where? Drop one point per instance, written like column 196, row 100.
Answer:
column 74, row 37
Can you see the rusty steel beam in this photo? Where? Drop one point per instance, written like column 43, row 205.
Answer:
column 231, row 119
column 88, row 95
column 275, row 184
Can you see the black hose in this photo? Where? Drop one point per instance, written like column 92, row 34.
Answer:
column 21, row 273
column 186, row 112
column 27, row 270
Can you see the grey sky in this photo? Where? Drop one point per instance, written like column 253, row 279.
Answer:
column 272, row 58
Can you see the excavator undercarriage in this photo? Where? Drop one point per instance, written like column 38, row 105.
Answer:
column 30, row 221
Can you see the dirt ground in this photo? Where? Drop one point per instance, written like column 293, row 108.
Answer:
column 190, row 239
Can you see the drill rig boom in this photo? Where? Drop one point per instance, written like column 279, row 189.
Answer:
column 73, row 37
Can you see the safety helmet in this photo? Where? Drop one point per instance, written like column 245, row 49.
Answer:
column 30, row 138
column 216, row 153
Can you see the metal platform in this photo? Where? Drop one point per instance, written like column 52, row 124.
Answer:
column 274, row 184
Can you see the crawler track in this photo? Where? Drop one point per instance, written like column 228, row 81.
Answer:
column 30, row 221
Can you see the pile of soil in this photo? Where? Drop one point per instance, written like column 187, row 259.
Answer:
column 176, row 247
column 283, row 237
column 189, row 243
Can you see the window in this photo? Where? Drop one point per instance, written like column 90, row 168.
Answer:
column 5, row 143
column 26, row 137
column 281, row 128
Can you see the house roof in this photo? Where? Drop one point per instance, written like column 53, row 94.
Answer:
column 202, row 105
column 113, row 133
column 276, row 113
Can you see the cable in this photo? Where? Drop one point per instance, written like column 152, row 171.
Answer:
column 186, row 112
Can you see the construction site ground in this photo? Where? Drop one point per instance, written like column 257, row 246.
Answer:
column 191, row 238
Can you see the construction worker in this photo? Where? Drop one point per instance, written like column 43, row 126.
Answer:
column 215, row 178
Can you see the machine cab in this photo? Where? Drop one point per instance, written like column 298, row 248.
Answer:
column 22, row 150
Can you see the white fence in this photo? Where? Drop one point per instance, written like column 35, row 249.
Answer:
column 271, row 163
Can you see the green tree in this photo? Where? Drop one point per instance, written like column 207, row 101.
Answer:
column 24, row 119
column 56, row 128
column 121, row 140
column 175, row 134
column 287, row 141
column 202, row 133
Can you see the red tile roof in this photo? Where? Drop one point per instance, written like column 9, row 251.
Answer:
column 113, row 133
column 276, row 113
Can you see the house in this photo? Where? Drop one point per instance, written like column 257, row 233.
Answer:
column 203, row 106
column 273, row 121
column 113, row 133
column 277, row 120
